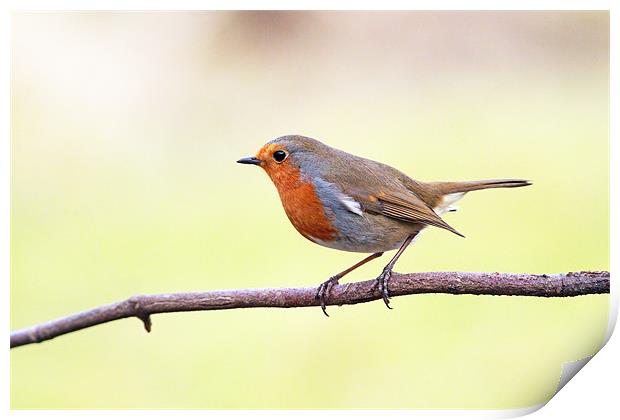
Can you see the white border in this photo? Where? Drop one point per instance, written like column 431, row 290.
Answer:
column 593, row 394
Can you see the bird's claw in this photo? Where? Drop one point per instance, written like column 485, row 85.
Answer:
column 323, row 290
column 382, row 283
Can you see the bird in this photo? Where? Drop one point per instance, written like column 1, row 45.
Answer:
column 350, row 203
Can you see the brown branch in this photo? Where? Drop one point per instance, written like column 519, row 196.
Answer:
column 556, row 285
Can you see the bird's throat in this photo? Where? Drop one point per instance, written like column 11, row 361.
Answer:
column 302, row 205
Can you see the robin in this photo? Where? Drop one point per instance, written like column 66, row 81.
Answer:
column 350, row 203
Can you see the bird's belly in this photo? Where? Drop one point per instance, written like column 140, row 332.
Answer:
column 368, row 233
column 347, row 245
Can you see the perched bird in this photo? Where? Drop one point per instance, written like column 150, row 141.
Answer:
column 346, row 202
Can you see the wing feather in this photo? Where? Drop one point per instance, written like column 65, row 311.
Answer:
column 407, row 208
column 414, row 213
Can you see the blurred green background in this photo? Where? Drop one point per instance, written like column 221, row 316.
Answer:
column 126, row 128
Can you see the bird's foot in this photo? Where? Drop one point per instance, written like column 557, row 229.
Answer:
column 323, row 291
column 382, row 284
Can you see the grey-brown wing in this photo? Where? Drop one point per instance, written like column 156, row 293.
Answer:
column 379, row 189
column 409, row 208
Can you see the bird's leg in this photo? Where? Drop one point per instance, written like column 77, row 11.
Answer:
column 386, row 274
column 325, row 287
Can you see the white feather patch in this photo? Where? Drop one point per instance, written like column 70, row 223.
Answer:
column 447, row 203
column 351, row 205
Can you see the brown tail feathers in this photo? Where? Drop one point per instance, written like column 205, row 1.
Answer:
column 466, row 186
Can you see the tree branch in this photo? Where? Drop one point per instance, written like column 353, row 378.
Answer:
column 556, row 285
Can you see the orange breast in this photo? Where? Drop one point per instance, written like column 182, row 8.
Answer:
column 303, row 207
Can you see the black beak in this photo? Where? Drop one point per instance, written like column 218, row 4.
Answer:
column 250, row 161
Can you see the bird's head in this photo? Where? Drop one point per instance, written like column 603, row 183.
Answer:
column 285, row 157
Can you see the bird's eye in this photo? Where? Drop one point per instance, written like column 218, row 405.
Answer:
column 279, row 155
